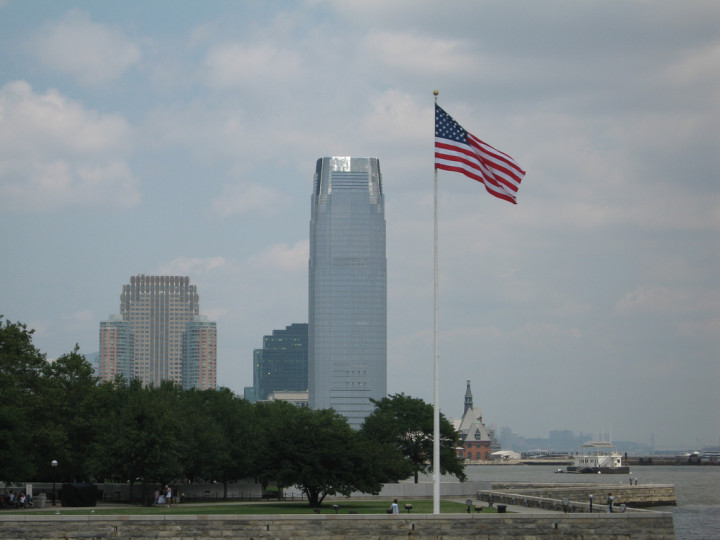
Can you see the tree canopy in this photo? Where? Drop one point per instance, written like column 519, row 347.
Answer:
column 316, row 450
column 406, row 424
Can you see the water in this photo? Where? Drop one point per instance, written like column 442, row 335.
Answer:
column 697, row 490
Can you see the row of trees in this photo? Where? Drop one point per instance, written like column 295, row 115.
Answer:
column 124, row 431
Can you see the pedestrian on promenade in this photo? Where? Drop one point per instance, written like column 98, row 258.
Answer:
column 394, row 507
column 610, row 500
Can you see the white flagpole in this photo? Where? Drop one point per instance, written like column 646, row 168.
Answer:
column 436, row 408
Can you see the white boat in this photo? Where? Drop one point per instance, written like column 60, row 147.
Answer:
column 599, row 457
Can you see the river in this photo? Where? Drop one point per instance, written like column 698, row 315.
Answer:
column 697, row 490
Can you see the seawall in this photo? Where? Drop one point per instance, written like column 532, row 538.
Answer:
column 638, row 526
column 642, row 496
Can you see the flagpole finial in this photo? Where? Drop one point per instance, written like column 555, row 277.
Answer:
column 435, row 93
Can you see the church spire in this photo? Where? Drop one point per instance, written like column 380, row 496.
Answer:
column 468, row 398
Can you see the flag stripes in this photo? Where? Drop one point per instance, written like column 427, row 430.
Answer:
column 457, row 150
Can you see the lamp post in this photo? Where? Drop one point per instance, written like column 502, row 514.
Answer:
column 54, row 464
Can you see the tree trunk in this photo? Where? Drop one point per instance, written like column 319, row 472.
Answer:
column 146, row 497
column 313, row 496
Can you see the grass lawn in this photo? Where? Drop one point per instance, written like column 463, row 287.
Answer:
column 422, row 506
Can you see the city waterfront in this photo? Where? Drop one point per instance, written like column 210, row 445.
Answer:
column 696, row 516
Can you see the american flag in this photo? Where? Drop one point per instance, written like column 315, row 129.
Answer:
column 460, row 151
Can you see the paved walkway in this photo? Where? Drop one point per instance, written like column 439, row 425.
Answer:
column 516, row 508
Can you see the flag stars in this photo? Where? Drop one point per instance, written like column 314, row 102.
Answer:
column 447, row 128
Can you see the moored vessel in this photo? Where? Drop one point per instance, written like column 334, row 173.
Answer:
column 598, row 457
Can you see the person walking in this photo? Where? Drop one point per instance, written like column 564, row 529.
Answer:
column 394, row 507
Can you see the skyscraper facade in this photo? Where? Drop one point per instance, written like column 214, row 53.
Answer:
column 156, row 312
column 282, row 363
column 347, row 331
column 199, row 354
column 116, row 349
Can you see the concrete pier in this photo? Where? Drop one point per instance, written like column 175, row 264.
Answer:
column 642, row 496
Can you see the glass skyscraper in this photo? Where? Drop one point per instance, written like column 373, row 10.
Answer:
column 347, row 331
column 282, row 363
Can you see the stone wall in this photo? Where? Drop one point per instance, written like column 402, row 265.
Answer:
column 638, row 526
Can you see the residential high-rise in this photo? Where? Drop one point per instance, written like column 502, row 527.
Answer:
column 282, row 363
column 199, row 354
column 347, row 332
column 156, row 313
column 116, row 349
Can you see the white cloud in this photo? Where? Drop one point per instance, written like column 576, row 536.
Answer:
column 247, row 198
column 411, row 53
column 670, row 301
column 395, row 117
column 283, row 257
column 93, row 52
column 252, row 65
column 182, row 266
column 80, row 319
column 55, row 153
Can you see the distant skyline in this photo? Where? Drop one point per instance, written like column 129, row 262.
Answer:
column 178, row 138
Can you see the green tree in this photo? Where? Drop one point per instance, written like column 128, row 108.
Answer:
column 317, row 451
column 222, row 440
column 146, row 435
column 21, row 383
column 68, row 422
column 237, row 419
column 208, row 451
column 406, row 424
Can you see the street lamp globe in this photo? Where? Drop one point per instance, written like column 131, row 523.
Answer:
column 54, row 464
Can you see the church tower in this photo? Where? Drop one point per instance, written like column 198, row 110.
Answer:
column 468, row 398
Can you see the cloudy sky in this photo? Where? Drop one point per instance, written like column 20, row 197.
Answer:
column 178, row 137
